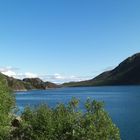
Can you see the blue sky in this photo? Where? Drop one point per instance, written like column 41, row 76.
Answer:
column 64, row 40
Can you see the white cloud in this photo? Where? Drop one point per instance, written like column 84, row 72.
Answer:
column 59, row 78
column 13, row 72
column 30, row 75
column 56, row 78
column 9, row 73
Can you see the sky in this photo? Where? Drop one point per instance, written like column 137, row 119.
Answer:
column 66, row 40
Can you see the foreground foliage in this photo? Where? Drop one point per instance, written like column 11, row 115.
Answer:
column 66, row 123
column 6, row 106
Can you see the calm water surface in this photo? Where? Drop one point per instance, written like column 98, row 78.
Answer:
column 122, row 103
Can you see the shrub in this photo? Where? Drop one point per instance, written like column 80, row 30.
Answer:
column 6, row 107
column 66, row 122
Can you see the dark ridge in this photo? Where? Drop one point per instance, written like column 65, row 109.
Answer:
column 126, row 73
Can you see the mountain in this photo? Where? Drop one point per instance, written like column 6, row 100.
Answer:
column 12, row 83
column 27, row 83
column 51, row 85
column 126, row 73
column 36, row 83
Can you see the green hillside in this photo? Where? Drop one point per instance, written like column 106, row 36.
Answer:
column 126, row 73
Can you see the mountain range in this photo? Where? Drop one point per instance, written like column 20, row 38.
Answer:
column 126, row 73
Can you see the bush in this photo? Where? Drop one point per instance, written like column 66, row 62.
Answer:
column 66, row 122
column 6, row 106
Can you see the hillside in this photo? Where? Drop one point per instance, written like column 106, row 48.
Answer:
column 126, row 73
column 27, row 83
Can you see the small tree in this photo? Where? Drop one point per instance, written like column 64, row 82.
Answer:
column 6, row 106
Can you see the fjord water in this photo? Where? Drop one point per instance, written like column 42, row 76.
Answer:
column 122, row 103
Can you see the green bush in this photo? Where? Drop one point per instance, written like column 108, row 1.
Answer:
column 6, row 107
column 66, row 122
